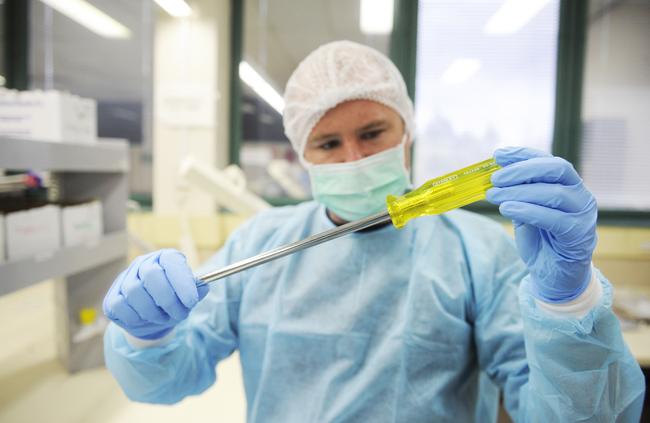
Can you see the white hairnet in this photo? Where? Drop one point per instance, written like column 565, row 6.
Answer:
column 337, row 72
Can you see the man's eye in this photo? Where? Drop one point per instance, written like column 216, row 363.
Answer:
column 329, row 145
column 371, row 134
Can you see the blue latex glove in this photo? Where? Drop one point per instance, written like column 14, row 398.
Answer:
column 554, row 216
column 154, row 294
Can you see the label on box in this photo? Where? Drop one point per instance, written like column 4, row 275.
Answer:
column 32, row 232
column 82, row 223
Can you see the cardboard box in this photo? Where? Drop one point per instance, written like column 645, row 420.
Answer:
column 32, row 232
column 82, row 223
column 47, row 116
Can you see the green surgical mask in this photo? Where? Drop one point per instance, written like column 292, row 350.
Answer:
column 357, row 189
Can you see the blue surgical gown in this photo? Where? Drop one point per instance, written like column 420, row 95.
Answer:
column 423, row 324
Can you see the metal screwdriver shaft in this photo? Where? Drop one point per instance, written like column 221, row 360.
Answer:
column 436, row 196
column 375, row 219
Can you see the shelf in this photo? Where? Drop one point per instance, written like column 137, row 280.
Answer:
column 20, row 274
column 102, row 156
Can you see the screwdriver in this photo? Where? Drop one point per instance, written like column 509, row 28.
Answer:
column 436, row 196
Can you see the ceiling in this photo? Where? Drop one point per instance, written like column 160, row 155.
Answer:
column 278, row 34
column 87, row 64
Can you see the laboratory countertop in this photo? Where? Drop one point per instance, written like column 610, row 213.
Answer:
column 638, row 339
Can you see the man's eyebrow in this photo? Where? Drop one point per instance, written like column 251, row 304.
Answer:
column 372, row 125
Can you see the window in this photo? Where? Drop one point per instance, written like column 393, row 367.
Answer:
column 616, row 105
column 485, row 78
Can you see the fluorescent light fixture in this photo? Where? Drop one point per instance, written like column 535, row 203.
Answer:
column 176, row 8
column 460, row 70
column 89, row 16
column 376, row 17
column 260, row 86
column 513, row 15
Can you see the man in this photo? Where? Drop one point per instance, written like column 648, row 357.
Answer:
column 387, row 325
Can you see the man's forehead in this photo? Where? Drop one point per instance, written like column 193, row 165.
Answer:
column 352, row 116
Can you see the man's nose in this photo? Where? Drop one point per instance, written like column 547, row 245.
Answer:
column 351, row 151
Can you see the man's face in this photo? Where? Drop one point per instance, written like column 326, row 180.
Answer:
column 354, row 130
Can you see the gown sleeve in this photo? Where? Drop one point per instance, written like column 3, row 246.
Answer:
column 184, row 365
column 563, row 368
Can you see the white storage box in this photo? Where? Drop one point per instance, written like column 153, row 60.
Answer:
column 33, row 232
column 47, row 116
column 82, row 223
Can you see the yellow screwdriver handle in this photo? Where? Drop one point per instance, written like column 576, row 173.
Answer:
column 439, row 195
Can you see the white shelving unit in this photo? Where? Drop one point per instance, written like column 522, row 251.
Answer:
column 65, row 261
column 83, row 273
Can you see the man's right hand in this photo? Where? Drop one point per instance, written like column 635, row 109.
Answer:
column 154, row 294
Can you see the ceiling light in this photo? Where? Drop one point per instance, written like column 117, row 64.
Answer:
column 376, row 16
column 513, row 15
column 460, row 70
column 261, row 86
column 89, row 16
column 176, row 8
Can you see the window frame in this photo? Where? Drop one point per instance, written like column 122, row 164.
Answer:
column 236, row 52
column 16, row 51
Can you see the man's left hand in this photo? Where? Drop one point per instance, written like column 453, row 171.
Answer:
column 554, row 216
